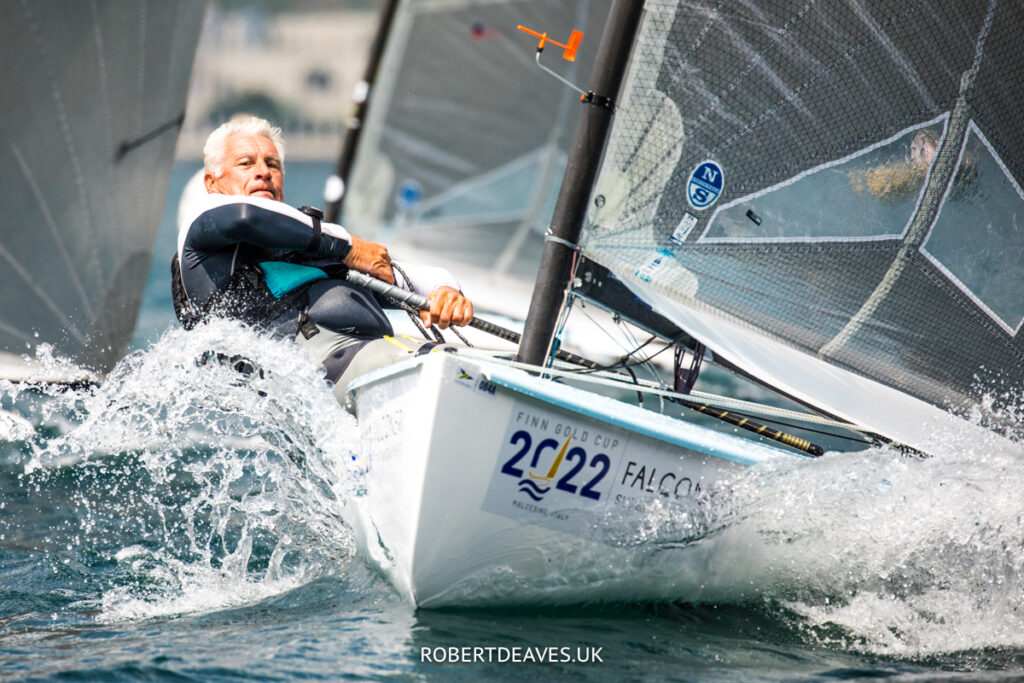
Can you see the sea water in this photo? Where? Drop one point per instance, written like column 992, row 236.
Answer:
column 184, row 521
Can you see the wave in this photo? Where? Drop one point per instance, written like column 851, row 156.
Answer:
column 193, row 486
column 877, row 552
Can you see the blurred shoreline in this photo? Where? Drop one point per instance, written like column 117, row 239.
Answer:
column 297, row 68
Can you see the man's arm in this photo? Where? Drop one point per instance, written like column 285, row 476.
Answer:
column 277, row 226
column 247, row 223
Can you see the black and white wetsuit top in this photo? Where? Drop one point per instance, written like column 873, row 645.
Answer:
column 221, row 234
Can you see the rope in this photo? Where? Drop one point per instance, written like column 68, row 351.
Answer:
column 414, row 314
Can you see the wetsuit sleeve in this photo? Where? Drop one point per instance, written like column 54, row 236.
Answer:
column 242, row 223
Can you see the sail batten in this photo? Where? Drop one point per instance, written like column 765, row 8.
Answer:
column 840, row 178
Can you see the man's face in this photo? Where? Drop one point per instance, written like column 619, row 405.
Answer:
column 251, row 166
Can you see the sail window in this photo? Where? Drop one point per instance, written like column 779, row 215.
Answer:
column 978, row 238
column 880, row 186
column 506, row 193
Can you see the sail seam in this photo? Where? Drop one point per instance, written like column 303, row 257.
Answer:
column 796, row 93
column 14, row 332
column 69, row 144
column 41, row 293
column 101, row 64
column 755, row 62
column 44, row 208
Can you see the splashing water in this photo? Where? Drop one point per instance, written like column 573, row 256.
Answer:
column 182, row 485
column 194, row 486
column 880, row 553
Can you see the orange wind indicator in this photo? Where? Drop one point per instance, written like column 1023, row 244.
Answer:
column 569, row 53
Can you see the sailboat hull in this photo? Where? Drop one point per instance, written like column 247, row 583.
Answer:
column 484, row 485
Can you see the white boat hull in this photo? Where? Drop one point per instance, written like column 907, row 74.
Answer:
column 485, row 485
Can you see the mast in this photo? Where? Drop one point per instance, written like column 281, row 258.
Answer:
column 581, row 171
column 334, row 191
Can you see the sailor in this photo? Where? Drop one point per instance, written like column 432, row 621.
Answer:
column 243, row 253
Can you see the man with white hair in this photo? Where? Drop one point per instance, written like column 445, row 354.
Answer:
column 244, row 254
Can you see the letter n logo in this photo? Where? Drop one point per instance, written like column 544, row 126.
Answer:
column 705, row 184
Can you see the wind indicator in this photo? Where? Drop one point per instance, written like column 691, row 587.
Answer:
column 569, row 50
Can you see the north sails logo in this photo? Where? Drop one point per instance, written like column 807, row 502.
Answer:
column 536, row 486
column 705, row 185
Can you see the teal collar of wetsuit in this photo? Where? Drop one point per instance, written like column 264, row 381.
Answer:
column 283, row 277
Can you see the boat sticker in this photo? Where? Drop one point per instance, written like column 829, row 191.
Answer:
column 384, row 410
column 570, row 473
column 683, row 229
column 705, row 185
column 655, row 262
column 464, row 377
column 472, row 379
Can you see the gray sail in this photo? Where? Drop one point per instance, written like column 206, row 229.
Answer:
column 94, row 96
column 465, row 142
column 838, row 179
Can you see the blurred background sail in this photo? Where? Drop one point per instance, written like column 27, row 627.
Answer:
column 94, row 96
column 464, row 144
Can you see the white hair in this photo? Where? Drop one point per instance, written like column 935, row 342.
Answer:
column 216, row 144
